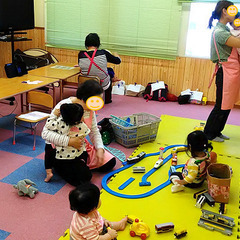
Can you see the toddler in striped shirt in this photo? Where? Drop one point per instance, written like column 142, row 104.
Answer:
column 195, row 170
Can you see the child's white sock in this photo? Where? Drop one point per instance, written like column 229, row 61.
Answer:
column 177, row 188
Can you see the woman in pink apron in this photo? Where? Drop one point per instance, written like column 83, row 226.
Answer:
column 227, row 71
column 94, row 61
column 95, row 157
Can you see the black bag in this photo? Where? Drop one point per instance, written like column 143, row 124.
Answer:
column 106, row 131
column 33, row 62
column 157, row 95
column 15, row 69
column 183, row 99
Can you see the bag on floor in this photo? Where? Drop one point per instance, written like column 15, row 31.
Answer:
column 157, row 95
column 106, row 131
column 134, row 90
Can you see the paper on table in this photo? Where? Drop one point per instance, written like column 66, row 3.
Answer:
column 158, row 85
column 62, row 67
column 35, row 115
column 133, row 87
column 33, row 82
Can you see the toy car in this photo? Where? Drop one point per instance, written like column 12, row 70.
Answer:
column 174, row 159
column 158, row 163
column 131, row 219
column 139, row 229
column 164, row 227
column 180, row 234
column 139, row 169
column 136, row 159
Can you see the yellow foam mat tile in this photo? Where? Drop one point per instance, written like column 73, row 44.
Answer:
column 164, row 206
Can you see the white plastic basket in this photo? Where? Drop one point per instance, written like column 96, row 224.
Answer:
column 144, row 129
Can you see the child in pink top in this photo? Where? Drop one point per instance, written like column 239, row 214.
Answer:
column 87, row 223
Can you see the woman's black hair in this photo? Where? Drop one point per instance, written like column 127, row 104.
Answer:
column 89, row 89
column 71, row 113
column 216, row 14
column 92, row 40
column 197, row 141
column 84, row 198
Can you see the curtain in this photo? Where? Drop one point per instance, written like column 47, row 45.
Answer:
column 194, row 1
column 147, row 28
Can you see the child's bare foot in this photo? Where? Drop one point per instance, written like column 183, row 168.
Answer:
column 49, row 175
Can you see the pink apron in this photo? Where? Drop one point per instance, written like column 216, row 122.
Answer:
column 231, row 78
column 92, row 161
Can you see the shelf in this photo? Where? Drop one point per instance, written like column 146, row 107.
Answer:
column 16, row 39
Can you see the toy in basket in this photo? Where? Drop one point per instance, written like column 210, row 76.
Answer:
column 130, row 131
column 122, row 122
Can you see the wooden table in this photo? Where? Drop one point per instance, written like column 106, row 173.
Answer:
column 61, row 71
column 13, row 86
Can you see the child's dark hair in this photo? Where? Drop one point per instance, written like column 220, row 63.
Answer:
column 71, row 113
column 216, row 14
column 88, row 89
column 92, row 40
column 197, row 141
column 84, row 198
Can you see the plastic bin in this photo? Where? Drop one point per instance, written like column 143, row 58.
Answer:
column 144, row 130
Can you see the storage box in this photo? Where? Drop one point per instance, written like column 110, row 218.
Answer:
column 219, row 178
column 144, row 130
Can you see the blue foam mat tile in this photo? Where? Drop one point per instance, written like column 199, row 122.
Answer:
column 6, row 122
column 34, row 170
column 4, row 234
column 24, row 145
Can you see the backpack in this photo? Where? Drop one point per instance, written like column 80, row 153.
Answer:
column 157, row 95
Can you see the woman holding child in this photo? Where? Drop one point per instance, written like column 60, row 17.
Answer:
column 95, row 158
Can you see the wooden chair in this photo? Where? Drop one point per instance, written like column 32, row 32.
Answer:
column 81, row 78
column 38, row 100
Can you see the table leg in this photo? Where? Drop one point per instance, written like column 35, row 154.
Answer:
column 54, row 95
column 61, row 89
column 21, row 97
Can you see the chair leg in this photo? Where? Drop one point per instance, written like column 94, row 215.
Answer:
column 14, row 131
column 34, row 137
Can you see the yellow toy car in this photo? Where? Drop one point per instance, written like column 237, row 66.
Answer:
column 180, row 234
column 131, row 219
column 139, row 228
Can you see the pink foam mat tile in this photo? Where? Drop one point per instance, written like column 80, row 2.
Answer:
column 41, row 212
column 10, row 162
column 41, row 156
column 5, row 134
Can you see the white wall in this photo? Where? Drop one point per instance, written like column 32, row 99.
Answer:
column 183, row 29
column 39, row 11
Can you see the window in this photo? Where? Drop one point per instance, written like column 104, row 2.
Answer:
column 199, row 35
column 147, row 28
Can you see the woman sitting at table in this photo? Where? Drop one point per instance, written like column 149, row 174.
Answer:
column 94, row 61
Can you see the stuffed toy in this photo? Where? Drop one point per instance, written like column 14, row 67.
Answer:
column 25, row 188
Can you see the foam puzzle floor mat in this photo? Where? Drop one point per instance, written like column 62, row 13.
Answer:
column 164, row 206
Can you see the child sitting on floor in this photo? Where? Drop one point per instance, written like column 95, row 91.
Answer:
column 195, row 170
column 68, row 123
column 87, row 223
